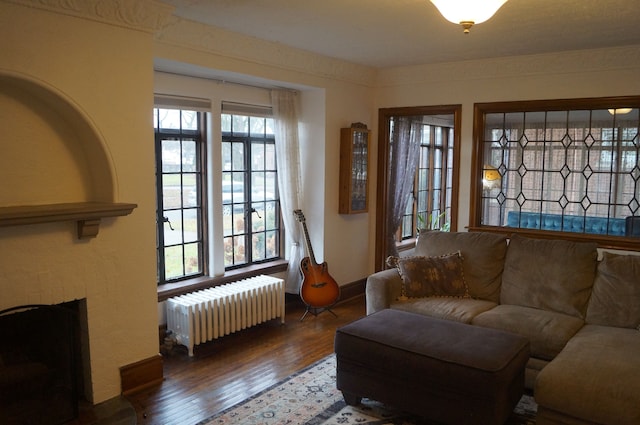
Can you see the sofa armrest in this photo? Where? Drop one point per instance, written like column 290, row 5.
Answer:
column 382, row 289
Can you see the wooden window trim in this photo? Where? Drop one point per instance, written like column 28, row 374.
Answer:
column 384, row 114
column 477, row 161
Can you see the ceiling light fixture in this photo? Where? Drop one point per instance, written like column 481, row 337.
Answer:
column 620, row 111
column 468, row 12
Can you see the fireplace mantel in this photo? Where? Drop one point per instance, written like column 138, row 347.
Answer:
column 86, row 214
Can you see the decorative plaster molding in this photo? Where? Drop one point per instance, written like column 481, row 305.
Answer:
column 578, row 61
column 207, row 39
column 141, row 15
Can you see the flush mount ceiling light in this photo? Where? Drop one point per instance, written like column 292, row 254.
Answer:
column 620, row 111
column 468, row 12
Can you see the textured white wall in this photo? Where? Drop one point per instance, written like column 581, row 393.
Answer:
column 105, row 71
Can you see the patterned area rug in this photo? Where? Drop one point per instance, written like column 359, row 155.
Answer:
column 310, row 397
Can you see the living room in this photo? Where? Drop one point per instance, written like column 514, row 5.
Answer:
column 94, row 68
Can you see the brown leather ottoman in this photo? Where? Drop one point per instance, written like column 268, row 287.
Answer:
column 445, row 371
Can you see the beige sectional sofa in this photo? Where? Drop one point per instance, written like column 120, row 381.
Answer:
column 581, row 314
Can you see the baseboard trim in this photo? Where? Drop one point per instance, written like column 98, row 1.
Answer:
column 352, row 290
column 140, row 375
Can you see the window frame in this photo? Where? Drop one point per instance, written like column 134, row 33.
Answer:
column 198, row 136
column 248, row 141
column 478, row 161
column 445, row 148
column 384, row 114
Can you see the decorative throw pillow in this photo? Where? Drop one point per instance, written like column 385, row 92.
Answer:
column 431, row 276
column 615, row 298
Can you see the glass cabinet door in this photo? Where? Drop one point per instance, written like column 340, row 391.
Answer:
column 354, row 169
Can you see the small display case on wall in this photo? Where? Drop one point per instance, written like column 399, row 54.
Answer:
column 354, row 169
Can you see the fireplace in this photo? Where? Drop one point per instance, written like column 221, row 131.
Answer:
column 40, row 363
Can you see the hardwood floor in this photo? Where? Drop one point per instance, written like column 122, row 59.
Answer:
column 228, row 370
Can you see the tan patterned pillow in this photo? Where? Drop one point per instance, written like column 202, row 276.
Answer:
column 431, row 276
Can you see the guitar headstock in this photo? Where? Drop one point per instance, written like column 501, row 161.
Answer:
column 299, row 215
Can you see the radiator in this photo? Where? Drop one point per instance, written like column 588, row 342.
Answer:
column 212, row 313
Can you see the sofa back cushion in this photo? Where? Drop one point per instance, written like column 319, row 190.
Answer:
column 555, row 275
column 615, row 298
column 483, row 258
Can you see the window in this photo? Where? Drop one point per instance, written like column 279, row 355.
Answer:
column 434, row 185
column 432, row 189
column 179, row 182
column 247, row 175
column 558, row 166
column 250, row 205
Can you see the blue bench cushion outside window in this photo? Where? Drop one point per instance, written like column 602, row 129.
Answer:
column 567, row 223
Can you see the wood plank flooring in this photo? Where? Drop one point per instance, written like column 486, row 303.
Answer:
column 228, row 370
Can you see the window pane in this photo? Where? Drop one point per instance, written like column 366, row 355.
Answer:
column 560, row 170
column 432, row 194
column 237, row 156
column 270, row 157
column 174, row 266
column 272, row 215
column 271, row 244
column 226, row 122
column 171, row 156
column 257, row 126
column 173, row 227
column 192, row 258
column 240, row 125
column 257, row 186
column 189, row 156
column 270, row 185
column 259, row 247
column 269, row 127
column 189, row 120
column 190, row 190
column 171, row 191
column 226, row 156
column 257, row 156
column 169, row 119
column 191, row 230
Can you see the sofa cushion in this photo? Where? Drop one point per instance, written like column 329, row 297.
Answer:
column 615, row 298
column 457, row 309
column 548, row 332
column 554, row 275
column 595, row 378
column 431, row 276
column 483, row 255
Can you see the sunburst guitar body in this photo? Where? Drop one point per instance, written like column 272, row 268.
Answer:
column 319, row 289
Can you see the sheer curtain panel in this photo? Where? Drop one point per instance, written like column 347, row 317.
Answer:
column 284, row 104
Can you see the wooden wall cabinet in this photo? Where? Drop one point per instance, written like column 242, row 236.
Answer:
column 354, row 169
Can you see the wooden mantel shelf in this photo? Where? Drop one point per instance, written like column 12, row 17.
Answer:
column 86, row 214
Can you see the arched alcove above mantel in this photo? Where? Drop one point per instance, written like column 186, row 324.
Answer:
column 54, row 164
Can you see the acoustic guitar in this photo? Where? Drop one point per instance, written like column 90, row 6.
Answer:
column 318, row 290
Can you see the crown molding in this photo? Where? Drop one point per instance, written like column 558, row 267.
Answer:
column 140, row 15
column 193, row 35
column 577, row 61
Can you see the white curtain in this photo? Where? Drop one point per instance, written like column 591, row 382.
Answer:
column 406, row 135
column 284, row 104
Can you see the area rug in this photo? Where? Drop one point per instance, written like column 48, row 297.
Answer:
column 310, row 397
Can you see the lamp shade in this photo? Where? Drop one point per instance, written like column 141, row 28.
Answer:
column 468, row 12
column 490, row 177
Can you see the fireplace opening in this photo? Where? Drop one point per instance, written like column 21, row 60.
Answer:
column 41, row 376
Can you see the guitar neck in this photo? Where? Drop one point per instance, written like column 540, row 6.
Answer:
column 312, row 256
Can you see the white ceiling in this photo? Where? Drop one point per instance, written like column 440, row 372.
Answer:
column 384, row 33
